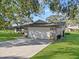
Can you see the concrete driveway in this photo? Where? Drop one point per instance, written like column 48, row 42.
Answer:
column 21, row 48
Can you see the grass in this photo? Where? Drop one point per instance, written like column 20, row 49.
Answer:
column 8, row 35
column 65, row 49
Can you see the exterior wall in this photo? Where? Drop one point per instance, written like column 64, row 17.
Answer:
column 60, row 32
column 39, row 32
column 45, row 32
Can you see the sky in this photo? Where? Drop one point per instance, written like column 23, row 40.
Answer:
column 47, row 12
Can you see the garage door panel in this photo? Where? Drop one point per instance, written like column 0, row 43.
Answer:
column 40, row 33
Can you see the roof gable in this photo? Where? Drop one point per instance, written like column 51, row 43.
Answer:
column 40, row 21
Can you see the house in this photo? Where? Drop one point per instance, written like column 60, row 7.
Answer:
column 44, row 30
column 18, row 24
column 74, row 27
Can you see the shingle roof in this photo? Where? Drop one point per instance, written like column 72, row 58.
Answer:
column 40, row 21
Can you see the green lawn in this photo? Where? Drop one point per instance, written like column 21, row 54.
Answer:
column 65, row 49
column 8, row 35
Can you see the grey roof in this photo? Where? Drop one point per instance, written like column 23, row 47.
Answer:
column 47, row 24
column 40, row 21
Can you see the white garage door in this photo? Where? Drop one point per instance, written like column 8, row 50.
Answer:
column 39, row 32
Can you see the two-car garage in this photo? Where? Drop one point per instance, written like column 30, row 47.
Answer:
column 39, row 32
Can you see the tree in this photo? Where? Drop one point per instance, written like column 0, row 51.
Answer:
column 55, row 5
column 70, row 9
column 18, row 9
